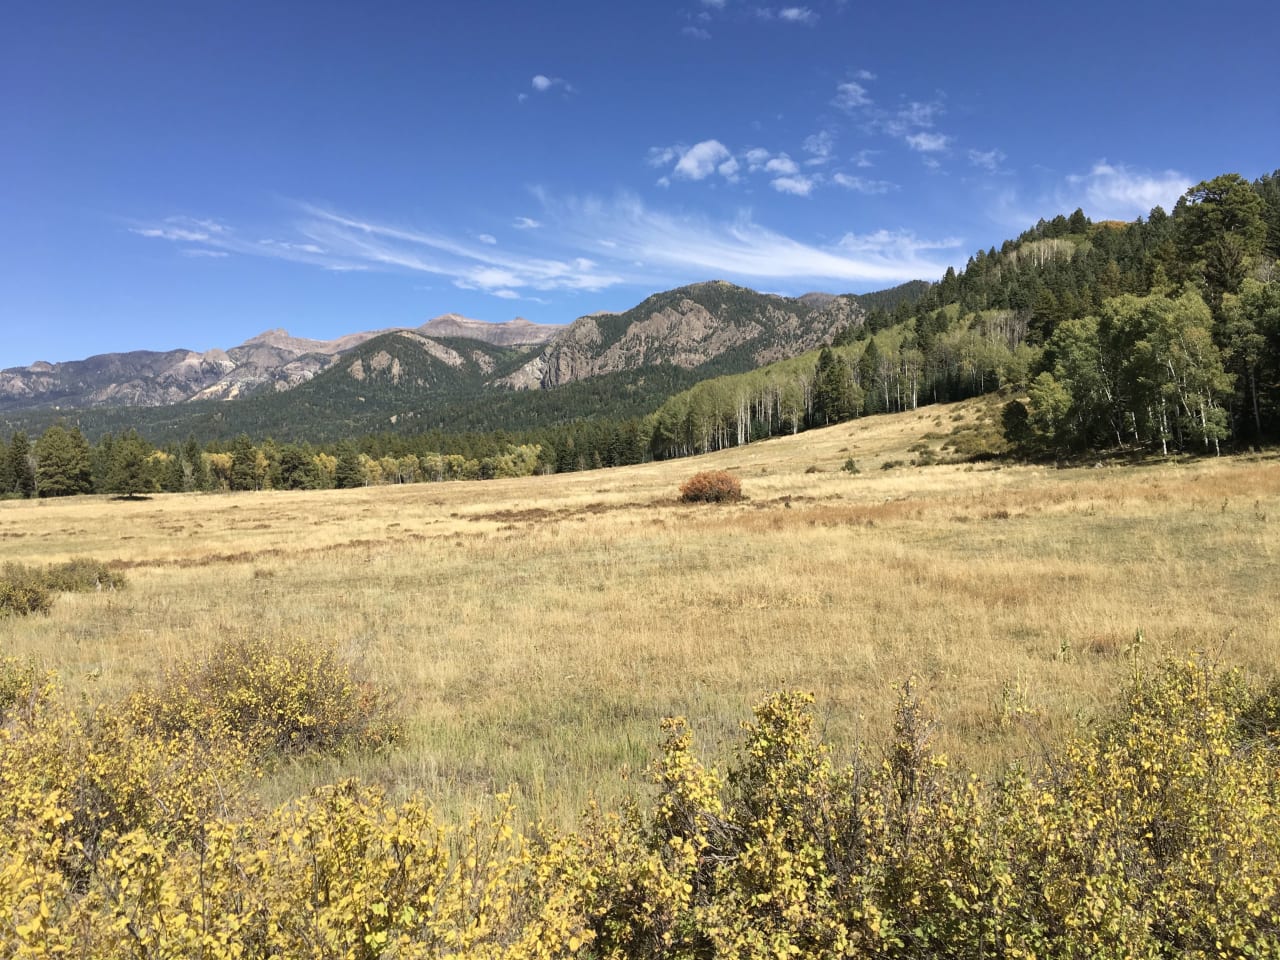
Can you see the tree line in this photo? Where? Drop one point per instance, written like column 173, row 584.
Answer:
column 62, row 461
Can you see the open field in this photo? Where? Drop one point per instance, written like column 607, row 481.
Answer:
column 535, row 630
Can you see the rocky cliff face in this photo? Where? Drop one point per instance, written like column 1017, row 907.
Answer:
column 689, row 328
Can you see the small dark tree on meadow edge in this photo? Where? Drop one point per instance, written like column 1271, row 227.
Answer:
column 349, row 473
column 711, row 486
column 244, row 462
column 130, row 473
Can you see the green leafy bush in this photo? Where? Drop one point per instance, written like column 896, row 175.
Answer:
column 711, row 486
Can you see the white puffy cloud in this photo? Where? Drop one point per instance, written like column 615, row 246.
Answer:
column 782, row 164
column 799, row 186
column 756, row 158
column 697, row 33
column 797, row 15
column 526, row 223
column 701, row 160
column 851, row 95
column 927, row 142
column 542, row 83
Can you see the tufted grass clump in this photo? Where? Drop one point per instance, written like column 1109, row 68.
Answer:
column 711, row 486
column 284, row 698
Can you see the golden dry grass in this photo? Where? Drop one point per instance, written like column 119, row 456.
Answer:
column 536, row 630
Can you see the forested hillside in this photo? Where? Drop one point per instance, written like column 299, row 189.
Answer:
column 1162, row 334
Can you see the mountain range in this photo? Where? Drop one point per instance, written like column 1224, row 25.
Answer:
column 272, row 360
column 436, row 374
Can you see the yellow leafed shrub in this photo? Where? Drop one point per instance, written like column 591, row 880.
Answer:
column 1158, row 835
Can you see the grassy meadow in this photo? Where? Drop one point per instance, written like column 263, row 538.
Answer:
column 534, row 631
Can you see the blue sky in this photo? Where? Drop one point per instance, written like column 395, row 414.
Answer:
column 188, row 175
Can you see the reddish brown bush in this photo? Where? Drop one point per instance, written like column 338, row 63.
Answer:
column 711, row 486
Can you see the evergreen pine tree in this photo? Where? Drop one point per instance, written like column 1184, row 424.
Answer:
column 62, row 462
column 244, row 462
column 24, row 475
column 130, row 472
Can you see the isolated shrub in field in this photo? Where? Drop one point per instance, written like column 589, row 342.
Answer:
column 82, row 575
column 22, row 592
column 283, row 697
column 25, row 590
column 711, row 486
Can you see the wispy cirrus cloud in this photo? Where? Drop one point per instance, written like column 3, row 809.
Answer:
column 183, row 229
column 863, row 184
column 819, row 146
column 1108, row 191
column 672, row 248
column 586, row 245
column 1114, row 191
column 989, row 160
column 333, row 241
